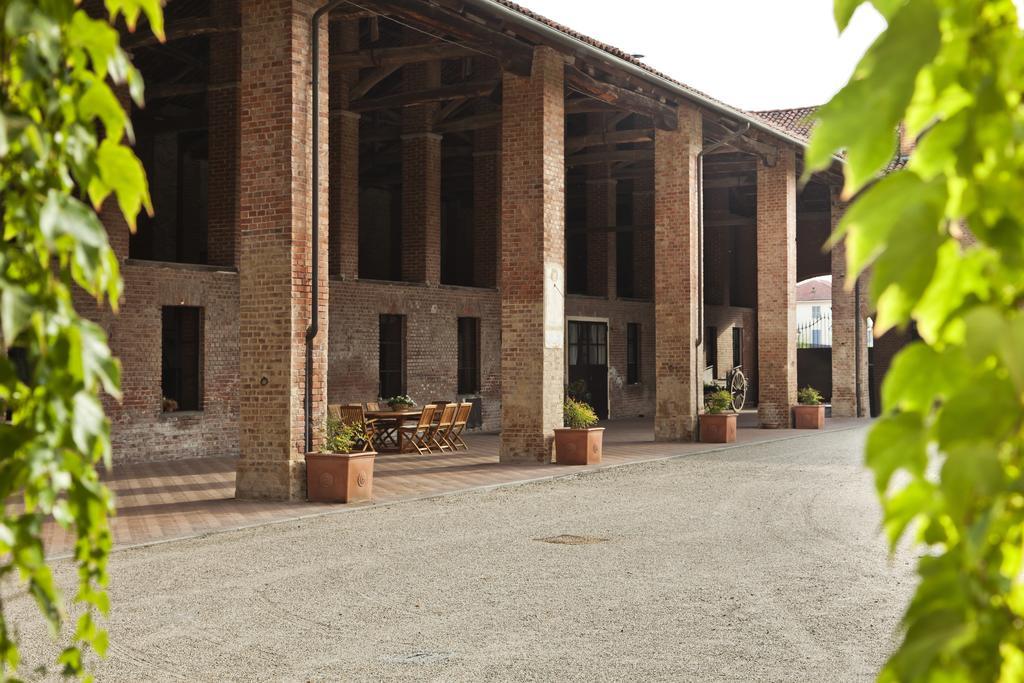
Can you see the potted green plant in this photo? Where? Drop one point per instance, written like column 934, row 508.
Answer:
column 401, row 402
column 810, row 413
column 718, row 424
column 580, row 442
column 341, row 472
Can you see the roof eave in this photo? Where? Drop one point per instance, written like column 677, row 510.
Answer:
column 557, row 36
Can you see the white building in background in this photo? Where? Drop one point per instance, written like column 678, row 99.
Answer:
column 814, row 313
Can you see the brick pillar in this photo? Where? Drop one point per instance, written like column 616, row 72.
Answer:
column 421, row 181
column 274, row 273
column 675, row 277
column 344, row 159
column 600, row 208
column 532, row 258
column 643, row 237
column 223, row 116
column 844, row 331
column 486, row 206
column 776, row 290
column 600, row 215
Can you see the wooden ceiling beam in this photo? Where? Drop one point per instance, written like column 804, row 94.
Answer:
column 664, row 116
column 615, row 137
column 183, row 28
column 513, row 55
column 398, row 56
column 477, row 122
column 444, row 93
column 370, row 80
column 592, row 158
column 160, row 91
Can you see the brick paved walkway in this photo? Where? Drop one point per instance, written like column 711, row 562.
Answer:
column 175, row 499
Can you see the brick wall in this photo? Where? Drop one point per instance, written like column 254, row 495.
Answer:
column 776, row 289
column 421, row 178
column 224, row 140
column 675, row 277
column 431, row 341
column 344, row 157
column 140, row 430
column 275, row 284
column 624, row 400
column 724, row 319
column 533, row 257
column 844, row 337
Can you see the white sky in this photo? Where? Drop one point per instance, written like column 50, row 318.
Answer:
column 753, row 54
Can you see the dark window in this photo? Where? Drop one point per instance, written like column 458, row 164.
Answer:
column 18, row 356
column 737, row 346
column 392, row 355
column 456, row 218
column 380, row 232
column 182, row 346
column 711, row 349
column 632, row 353
column 624, row 264
column 177, row 165
column 469, row 355
column 625, row 251
column 576, row 262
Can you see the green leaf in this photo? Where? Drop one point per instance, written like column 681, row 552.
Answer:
column 121, row 170
column 89, row 422
column 64, row 215
column 16, row 307
column 897, row 442
column 862, row 118
column 902, row 200
column 843, row 11
column 971, row 475
column 99, row 102
column 914, row 500
column 986, row 410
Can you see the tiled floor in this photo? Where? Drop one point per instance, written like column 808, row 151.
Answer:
column 161, row 501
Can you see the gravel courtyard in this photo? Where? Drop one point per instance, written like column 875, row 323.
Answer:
column 760, row 563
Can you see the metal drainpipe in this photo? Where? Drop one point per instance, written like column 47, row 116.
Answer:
column 857, row 349
column 698, row 362
column 314, row 297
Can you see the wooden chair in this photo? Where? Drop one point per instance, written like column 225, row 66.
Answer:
column 458, row 426
column 439, row 434
column 419, row 436
column 384, row 429
column 334, row 412
column 353, row 415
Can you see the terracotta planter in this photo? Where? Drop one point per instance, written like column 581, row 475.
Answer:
column 720, row 428
column 809, row 417
column 579, row 446
column 339, row 477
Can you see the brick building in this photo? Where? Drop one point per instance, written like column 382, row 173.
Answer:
column 500, row 206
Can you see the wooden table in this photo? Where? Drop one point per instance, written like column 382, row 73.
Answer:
column 388, row 439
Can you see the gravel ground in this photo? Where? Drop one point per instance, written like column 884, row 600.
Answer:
column 760, row 563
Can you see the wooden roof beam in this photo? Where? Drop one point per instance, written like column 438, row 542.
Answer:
column 664, row 115
column 183, row 28
column 628, row 155
column 477, row 122
column 398, row 56
column 442, row 94
column 614, row 137
column 513, row 55
column 370, row 80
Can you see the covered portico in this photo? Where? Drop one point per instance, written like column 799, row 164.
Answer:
column 492, row 208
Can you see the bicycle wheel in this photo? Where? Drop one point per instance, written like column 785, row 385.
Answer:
column 738, row 390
